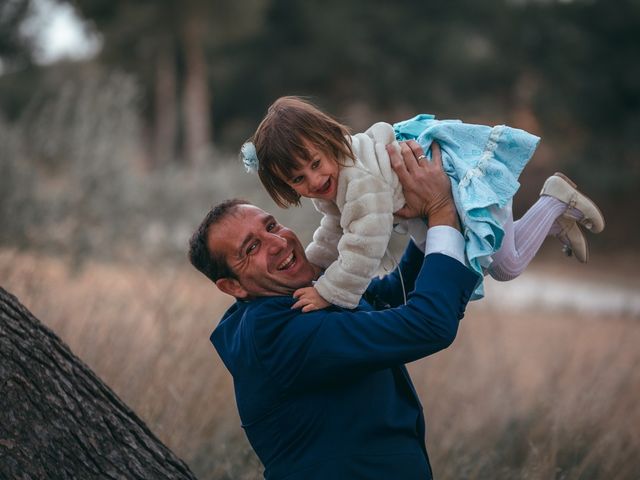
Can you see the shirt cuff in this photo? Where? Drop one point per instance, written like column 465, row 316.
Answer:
column 446, row 240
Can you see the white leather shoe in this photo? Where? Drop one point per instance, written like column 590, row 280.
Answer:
column 561, row 187
column 573, row 240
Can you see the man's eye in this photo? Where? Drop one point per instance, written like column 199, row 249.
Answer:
column 252, row 247
column 271, row 226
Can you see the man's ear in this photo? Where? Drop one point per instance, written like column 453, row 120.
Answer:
column 232, row 287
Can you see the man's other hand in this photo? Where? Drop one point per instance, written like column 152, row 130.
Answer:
column 426, row 188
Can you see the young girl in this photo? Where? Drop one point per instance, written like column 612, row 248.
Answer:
column 299, row 151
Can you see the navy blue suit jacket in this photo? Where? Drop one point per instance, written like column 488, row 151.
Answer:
column 325, row 394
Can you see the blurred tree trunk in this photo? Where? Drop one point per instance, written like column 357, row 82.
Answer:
column 17, row 46
column 165, row 134
column 196, row 90
column 59, row 420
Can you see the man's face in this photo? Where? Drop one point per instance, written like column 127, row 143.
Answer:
column 267, row 258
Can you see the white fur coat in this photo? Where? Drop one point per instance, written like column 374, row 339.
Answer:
column 354, row 233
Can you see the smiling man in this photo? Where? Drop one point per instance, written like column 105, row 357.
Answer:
column 325, row 394
column 265, row 258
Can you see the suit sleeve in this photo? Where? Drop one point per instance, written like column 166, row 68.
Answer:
column 333, row 345
column 392, row 289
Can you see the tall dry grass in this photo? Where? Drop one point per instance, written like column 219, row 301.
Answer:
column 520, row 394
column 145, row 333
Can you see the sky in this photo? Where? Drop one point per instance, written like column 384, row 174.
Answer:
column 60, row 33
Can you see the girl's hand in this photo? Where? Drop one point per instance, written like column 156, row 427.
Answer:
column 309, row 299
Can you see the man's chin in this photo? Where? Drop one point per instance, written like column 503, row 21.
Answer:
column 298, row 275
column 292, row 286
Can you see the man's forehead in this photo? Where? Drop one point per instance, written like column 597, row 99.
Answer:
column 239, row 222
column 247, row 214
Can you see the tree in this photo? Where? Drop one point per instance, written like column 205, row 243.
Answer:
column 59, row 420
column 16, row 48
column 168, row 45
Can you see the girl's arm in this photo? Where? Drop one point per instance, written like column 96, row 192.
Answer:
column 323, row 250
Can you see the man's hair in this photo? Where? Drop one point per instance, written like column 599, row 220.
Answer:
column 280, row 144
column 211, row 263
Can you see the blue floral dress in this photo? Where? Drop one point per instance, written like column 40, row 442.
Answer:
column 484, row 164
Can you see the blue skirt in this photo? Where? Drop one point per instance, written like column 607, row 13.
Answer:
column 484, row 164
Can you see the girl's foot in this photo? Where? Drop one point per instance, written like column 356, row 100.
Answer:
column 561, row 187
column 573, row 239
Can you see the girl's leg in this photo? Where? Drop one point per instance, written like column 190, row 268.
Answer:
column 523, row 238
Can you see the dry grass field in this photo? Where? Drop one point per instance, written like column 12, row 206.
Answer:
column 524, row 393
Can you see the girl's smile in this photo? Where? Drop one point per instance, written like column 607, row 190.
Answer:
column 326, row 187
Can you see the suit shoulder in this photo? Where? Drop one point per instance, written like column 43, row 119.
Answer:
column 242, row 318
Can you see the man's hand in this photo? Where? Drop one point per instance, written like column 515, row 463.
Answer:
column 426, row 188
column 309, row 299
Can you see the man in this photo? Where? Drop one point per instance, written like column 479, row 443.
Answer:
column 325, row 395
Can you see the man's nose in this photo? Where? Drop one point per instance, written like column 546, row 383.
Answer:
column 276, row 243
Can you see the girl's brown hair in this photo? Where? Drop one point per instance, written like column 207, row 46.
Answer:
column 280, row 144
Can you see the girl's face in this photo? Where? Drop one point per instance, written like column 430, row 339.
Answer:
column 316, row 178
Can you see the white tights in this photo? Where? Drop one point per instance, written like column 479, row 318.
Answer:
column 523, row 238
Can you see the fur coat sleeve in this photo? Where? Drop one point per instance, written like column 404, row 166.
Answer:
column 323, row 250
